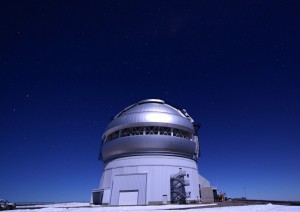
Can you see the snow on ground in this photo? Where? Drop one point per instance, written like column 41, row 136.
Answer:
column 85, row 207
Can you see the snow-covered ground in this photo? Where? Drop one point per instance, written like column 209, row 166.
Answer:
column 85, row 207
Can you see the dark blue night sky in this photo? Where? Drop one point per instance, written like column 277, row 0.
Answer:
column 67, row 67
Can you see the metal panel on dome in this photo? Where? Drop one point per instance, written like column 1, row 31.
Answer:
column 151, row 101
column 151, row 111
column 147, row 118
column 148, row 145
column 151, row 107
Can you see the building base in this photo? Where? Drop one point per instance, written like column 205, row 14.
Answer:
column 148, row 180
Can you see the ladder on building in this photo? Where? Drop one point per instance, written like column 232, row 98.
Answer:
column 178, row 194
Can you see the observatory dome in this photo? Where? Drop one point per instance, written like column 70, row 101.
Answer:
column 150, row 152
column 150, row 127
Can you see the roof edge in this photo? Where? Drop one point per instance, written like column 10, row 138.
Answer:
column 151, row 101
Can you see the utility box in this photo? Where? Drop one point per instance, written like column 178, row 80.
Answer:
column 165, row 199
column 207, row 195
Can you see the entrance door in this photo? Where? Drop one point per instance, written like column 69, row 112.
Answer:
column 129, row 189
column 128, row 197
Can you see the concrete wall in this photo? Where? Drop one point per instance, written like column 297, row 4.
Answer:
column 207, row 195
column 129, row 182
column 203, row 182
column 158, row 170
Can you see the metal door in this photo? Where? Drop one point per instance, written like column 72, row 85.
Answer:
column 128, row 197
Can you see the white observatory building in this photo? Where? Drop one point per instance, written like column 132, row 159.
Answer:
column 150, row 152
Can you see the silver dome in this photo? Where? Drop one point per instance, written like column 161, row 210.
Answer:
column 150, row 111
column 150, row 127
